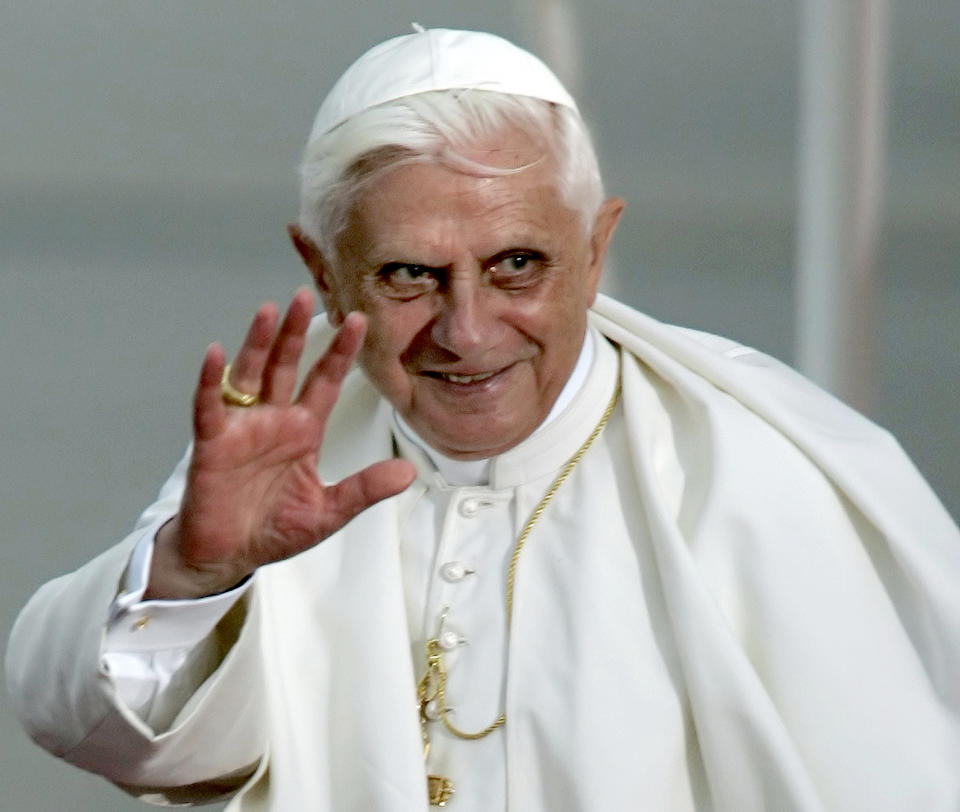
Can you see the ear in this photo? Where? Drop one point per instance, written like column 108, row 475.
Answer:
column 604, row 224
column 320, row 271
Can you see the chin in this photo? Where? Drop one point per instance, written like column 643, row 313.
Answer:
column 478, row 446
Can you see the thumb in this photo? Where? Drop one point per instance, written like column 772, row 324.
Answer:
column 363, row 489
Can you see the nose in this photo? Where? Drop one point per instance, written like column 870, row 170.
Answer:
column 466, row 322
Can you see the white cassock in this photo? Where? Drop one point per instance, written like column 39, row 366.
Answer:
column 743, row 599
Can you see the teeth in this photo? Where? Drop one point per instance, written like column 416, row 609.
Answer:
column 449, row 376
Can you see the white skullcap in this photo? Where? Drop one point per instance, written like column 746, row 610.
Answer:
column 436, row 59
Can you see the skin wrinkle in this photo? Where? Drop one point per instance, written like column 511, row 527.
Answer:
column 468, row 306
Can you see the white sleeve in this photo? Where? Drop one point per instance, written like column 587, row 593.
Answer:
column 60, row 674
column 158, row 653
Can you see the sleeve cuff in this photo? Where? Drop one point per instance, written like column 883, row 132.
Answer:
column 155, row 625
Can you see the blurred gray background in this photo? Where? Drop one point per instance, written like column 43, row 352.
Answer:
column 147, row 171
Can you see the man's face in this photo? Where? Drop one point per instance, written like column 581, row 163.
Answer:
column 476, row 291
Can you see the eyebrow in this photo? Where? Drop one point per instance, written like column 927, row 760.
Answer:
column 402, row 264
column 378, row 258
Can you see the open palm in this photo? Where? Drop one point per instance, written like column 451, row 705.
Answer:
column 252, row 494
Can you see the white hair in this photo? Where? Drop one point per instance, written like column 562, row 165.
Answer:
column 339, row 165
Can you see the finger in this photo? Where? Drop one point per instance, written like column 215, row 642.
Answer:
column 246, row 370
column 322, row 385
column 209, row 411
column 280, row 374
column 356, row 493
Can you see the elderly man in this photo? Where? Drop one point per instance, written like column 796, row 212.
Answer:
column 588, row 562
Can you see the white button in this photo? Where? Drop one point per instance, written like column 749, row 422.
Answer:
column 470, row 506
column 453, row 571
column 432, row 710
column 449, row 640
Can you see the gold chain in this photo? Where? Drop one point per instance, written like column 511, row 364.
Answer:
column 432, row 688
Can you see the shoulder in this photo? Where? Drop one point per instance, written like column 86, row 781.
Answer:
column 711, row 375
column 611, row 315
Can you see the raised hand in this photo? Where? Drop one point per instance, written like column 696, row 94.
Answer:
column 252, row 494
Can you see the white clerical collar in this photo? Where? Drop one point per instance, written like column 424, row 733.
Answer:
column 477, row 472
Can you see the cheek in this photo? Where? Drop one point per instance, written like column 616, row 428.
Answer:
column 379, row 349
column 558, row 310
column 390, row 330
column 382, row 366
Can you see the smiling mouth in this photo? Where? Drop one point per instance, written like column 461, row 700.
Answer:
column 452, row 377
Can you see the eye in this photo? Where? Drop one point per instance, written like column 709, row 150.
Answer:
column 406, row 281
column 517, row 268
column 518, row 262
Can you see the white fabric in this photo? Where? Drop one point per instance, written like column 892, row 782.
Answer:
column 745, row 599
column 436, row 59
column 146, row 642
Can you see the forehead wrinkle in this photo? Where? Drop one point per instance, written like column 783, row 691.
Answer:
column 451, row 238
column 498, row 207
column 482, row 215
column 419, row 249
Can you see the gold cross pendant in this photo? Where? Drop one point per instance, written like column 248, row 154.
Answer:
column 439, row 789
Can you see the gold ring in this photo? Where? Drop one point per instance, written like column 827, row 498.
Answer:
column 232, row 395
